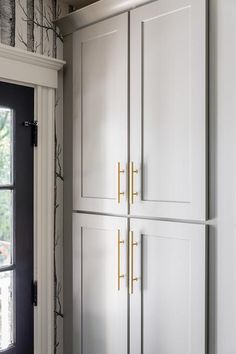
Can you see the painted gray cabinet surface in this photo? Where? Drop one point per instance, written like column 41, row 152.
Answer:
column 168, row 108
column 167, row 304
column 100, row 310
column 100, row 115
column 167, row 95
column 167, row 307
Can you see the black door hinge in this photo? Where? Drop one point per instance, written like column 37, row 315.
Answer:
column 34, row 126
column 35, row 293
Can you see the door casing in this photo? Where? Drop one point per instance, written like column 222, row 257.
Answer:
column 34, row 70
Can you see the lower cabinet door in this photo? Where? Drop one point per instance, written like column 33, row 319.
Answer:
column 100, row 285
column 167, row 302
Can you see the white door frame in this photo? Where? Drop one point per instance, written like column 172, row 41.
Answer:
column 29, row 69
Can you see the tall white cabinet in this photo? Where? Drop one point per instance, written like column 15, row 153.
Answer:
column 139, row 178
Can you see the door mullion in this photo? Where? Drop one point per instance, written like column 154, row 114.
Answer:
column 7, row 187
column 7, row 268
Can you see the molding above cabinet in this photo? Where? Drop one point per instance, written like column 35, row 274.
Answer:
column 95, row 12
column 17, row 65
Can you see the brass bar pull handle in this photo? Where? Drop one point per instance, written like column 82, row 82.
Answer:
column 119, row 192
column 132, row 278
column 120, row 276
column 132, row 171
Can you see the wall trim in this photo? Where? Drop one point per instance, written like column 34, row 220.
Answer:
column 36, row 68
column 29, row 68
column 95, row 12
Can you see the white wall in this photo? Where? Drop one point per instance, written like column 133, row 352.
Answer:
column 223, row 177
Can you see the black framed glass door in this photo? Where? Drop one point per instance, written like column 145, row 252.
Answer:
column 16, row 219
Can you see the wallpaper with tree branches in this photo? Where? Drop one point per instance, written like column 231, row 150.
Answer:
column 28, row 24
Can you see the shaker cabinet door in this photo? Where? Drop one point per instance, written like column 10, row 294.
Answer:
column 100, row 98
column 168, row 109
column 100, row 296
column 167, row 305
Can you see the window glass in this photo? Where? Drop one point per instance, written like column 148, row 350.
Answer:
column 6, row 310
column 6, row 145
column 6, row 227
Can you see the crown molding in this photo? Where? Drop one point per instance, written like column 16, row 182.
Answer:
column 30, row 58
column 29, row 68
column 95, row 12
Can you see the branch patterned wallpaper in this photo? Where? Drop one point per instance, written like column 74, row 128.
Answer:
column 28, row 24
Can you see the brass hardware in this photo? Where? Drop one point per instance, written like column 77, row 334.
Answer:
column 131, row 264
column 119, row 173
column 132, row 171
column 120, row 242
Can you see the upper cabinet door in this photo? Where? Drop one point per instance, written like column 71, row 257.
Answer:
column 168, row 109
column 100, row 116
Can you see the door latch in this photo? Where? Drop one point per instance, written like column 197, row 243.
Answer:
column 34, row 126
column 35, row 293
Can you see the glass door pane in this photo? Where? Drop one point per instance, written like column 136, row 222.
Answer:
column 6, row 309
column 7, row 266
column 6, row 227
column 6, row 158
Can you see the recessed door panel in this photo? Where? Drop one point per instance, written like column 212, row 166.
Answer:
column 166, row 66
column 165, row 274
column 168, row 109
column 100, row 284
column 100, row 115
column 167, row 306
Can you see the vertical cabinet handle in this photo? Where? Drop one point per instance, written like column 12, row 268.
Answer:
column 132, row 171
column 119, row 194
column 120, row 276
column 132, row 278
